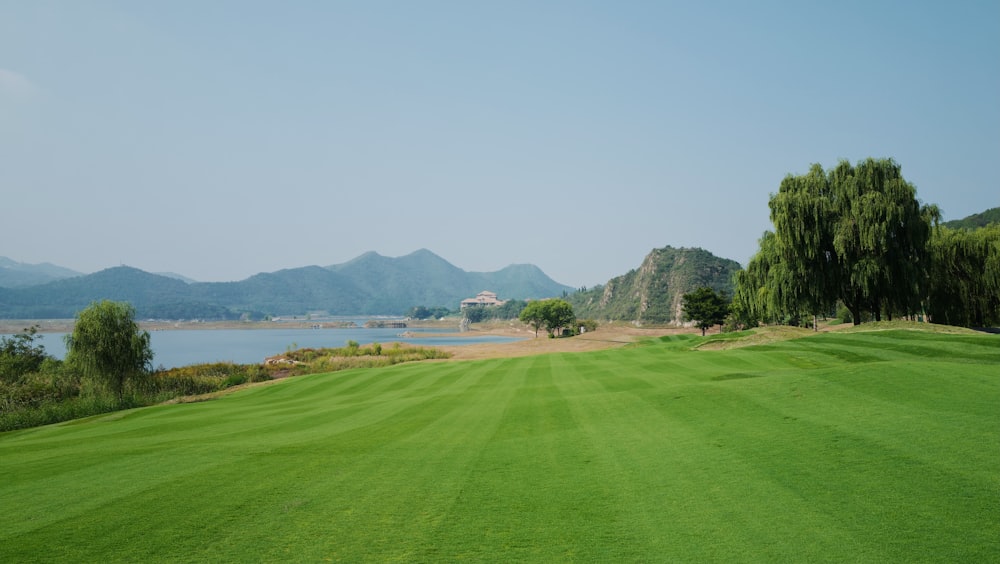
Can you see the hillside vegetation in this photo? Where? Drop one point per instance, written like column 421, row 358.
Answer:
column 875, row 446
column 652, row 293
column 975, row 220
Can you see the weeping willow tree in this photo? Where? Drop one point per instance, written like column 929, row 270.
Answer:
column 803, row 214
column 880, row 238
column 855, row 233
column 764, row 289
column 965, row 281
column 108, row 347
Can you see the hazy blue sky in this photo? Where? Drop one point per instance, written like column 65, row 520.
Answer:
column 218, row 139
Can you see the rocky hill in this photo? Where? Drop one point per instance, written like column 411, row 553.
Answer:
column 368, row 285
column 652, row 293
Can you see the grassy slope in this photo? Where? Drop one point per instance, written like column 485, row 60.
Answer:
column 859, row 446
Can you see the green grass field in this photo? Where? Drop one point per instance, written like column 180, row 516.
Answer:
column 860, row 447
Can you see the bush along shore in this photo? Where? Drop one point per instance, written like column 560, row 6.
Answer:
column 38, row 389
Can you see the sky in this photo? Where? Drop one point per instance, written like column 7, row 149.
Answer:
column 221, row 139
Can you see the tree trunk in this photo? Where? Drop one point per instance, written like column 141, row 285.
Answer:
column 854, row 307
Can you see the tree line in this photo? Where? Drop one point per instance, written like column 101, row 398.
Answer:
column 857, row 236
column 555, row 315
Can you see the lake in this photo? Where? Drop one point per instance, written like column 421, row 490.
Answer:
column 175, row 348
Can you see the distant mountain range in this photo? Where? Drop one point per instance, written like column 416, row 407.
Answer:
column 370, row 284
column 652, row 293
column 15, row 274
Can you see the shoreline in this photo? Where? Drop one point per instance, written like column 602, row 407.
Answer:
column 12, row 326
column 611, row 335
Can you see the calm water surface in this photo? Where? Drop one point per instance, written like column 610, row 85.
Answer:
column 245, row 346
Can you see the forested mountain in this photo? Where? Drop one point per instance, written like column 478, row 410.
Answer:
column 15, row 274
column 423, row 278
column 652, row 294
column 975, row 220
column 371, row 284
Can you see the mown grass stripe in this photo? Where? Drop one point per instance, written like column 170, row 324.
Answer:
column 797, row 451
column 869, row 465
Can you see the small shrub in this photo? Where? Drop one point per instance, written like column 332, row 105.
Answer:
column 257, row 373
column 844, row 314
column 234, row 380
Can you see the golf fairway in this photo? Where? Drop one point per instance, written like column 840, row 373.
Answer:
column 861, row 447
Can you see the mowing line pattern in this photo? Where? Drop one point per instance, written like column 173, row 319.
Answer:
column 836, row 447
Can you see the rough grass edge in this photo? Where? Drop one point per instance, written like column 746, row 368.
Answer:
column 776, row 333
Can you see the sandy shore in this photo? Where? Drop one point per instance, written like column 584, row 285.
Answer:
column 605, row 337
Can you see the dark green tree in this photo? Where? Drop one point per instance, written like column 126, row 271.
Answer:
column 424, row 312
column 558, row 315
column 553, row 314
column 439, row 312
column 475, row 313
column 108, row 347
column 419, row 312
column 805, row 271
column 510, row 309
column 21, row 354
column 533, row 314
column 965, row 280
column 705, row 307
column 880, row 236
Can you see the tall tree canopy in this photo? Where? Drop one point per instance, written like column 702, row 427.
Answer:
column 880, row 236
column 855, row 233
column 765, row 288
column 804, row 273
column 965, row 281
column 107, row 345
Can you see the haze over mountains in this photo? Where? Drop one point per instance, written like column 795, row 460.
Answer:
column 370, row 284
column 14, row 274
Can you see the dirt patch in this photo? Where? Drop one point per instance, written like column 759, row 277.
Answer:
column 758, row 336
column 605, row 337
